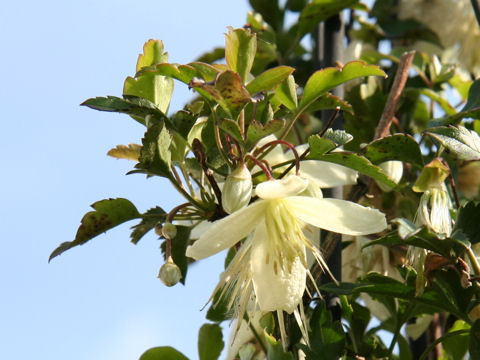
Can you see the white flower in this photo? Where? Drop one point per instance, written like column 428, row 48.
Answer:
column 394, row 170
column 322, row 173
column 271, row 262
column 434, row 210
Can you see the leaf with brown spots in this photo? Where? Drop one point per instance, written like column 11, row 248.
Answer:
column 108, row 214
column 227, row 90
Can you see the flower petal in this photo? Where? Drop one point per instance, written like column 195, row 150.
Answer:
column 337, row 215
column 228, row 231
column 326, row 174
column 276, row 288
column 276, row 189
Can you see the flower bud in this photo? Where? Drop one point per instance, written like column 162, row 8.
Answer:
column 170, row 273
column 169, row 230
column 237, row 190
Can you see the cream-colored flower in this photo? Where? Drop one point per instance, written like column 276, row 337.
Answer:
column 455, row 24
column 322, row 173
column 271, row 262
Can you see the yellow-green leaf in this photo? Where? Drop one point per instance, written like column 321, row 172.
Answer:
column 129, row 152
column 240, row 49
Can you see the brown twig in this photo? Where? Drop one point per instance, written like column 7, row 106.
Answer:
column 399, row 82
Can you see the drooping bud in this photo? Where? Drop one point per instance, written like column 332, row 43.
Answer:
column 237, row 190
column 394, row 170
column 170, row 273
column 169, row 230
column 432, row 176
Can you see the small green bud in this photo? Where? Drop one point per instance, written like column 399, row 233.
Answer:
column 169, row 230
column 170, row 273
column 237, row 190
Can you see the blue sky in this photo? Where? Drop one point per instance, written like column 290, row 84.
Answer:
column 101, row 300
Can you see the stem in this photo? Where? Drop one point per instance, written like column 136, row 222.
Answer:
column 473, row 260
column 178, row 178
column 287, row 144
column 186, row 194
column 187, row 178
column 262, row 166
column 439, row 340
column 330, row 121
column 199, row 153
column 255, row 333
column 476, row 9
column 399, row 82
column 218, row 141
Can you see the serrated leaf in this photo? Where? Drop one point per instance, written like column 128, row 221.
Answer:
column 269, row 79
column 149, row 219
column 206, row 71
column 468, row 221
column 183, row 73
column 232, row 128
column 240, row 49
column 155, row 158
column 163, row 353
column 108, row 214
column 328, row 101
column 326, row 79
column 339, row 137
column 257, row 131
column 156, row 88
column 275, row 349
column 401, row 147
column 319, row 145
column 464, row 143
column 137, row 107
column 320, row 10
column 210, row 342
column 128, row 152
column 356, row 162
column 286, row 93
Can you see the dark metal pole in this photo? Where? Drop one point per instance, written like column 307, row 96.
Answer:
column 330, row 43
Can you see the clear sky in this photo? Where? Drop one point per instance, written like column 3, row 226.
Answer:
column 101, row 301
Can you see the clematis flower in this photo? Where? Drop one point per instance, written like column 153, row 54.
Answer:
column 271, row 263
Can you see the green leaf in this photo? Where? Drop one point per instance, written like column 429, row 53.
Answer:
column 355, row 162
column 206, row 71
column 155, row 158
column 320, row 146
column 320, row 10
column 328, row 101
column 257, row 131
column 464, row 143
column 326, row 79
column 270, row 11
column 456, row 346
column 240, row 49
column 130, row 152
column 474, row 344
column 286, row 93
column 467, row 221
column 108, row 214
column 210, row 342
column 269, row 79
column 156, row 88
column 162, row 353
column 137, row 107
column 275, row 349
column 470, row 110
column 183, row 73
column 401, row 147
column 231, row 127
column 149, row 219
